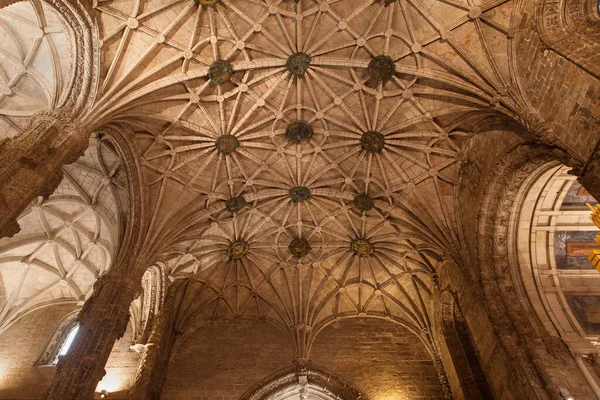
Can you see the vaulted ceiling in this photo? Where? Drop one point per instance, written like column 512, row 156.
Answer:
column 300, row 157
column 36, row 63
column 67, row 241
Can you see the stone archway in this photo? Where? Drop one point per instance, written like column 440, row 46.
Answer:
column 305, row 383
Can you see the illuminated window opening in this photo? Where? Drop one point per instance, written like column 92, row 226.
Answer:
column 64, row 349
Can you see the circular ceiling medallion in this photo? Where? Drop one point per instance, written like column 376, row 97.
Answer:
column 227, row 144
column 298, row 132
column 381, row 68
column 299, row 247
column 235, row 204
column 207, row 2
column 237, row 250
column 299, row 194
column 363, row 202
column 372, row 141
column 298, row 63
column 362, row 248
column 220, row 71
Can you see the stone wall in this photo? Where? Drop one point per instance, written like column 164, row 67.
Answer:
column 24, row 342
column 21, row 345
column 224, row 358
column 562, row 92
column 381, row 359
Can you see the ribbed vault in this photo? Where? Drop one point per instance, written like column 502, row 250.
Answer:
column 68, row 240
column 37, row 63
column 301, row 156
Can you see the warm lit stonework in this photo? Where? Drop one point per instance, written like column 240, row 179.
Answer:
column 299, row 200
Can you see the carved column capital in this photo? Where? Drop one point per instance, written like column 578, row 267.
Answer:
column 31, row 163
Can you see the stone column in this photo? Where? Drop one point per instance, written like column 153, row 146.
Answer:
column 446, row 390
column 155, row 360
column 103, row 320
column 589, row 173
column 30, row 163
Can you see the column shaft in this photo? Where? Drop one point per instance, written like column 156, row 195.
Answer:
column 103, row 320
column 154, row 365
column 30, row 163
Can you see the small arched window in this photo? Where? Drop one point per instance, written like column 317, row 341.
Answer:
column 60, row 342
column 67, row 342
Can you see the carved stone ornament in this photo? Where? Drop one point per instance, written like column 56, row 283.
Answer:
column 227, row 144
column 299, row 194
column 298, row 63
column 299, row 247
column 372, row 141
column 363, row 202
column 381, row 68
column 362, row 248
column 220, row 71
column 298, row 132
column 209, row 3
column 237, row 250
column 235, row 204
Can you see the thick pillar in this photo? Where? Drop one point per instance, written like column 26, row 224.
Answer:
column 103, row 320
column 589, row 174
column 446, row 390
column 30, row 163
column 155, row 360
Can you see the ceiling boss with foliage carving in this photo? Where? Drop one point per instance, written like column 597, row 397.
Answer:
column 287, row 137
